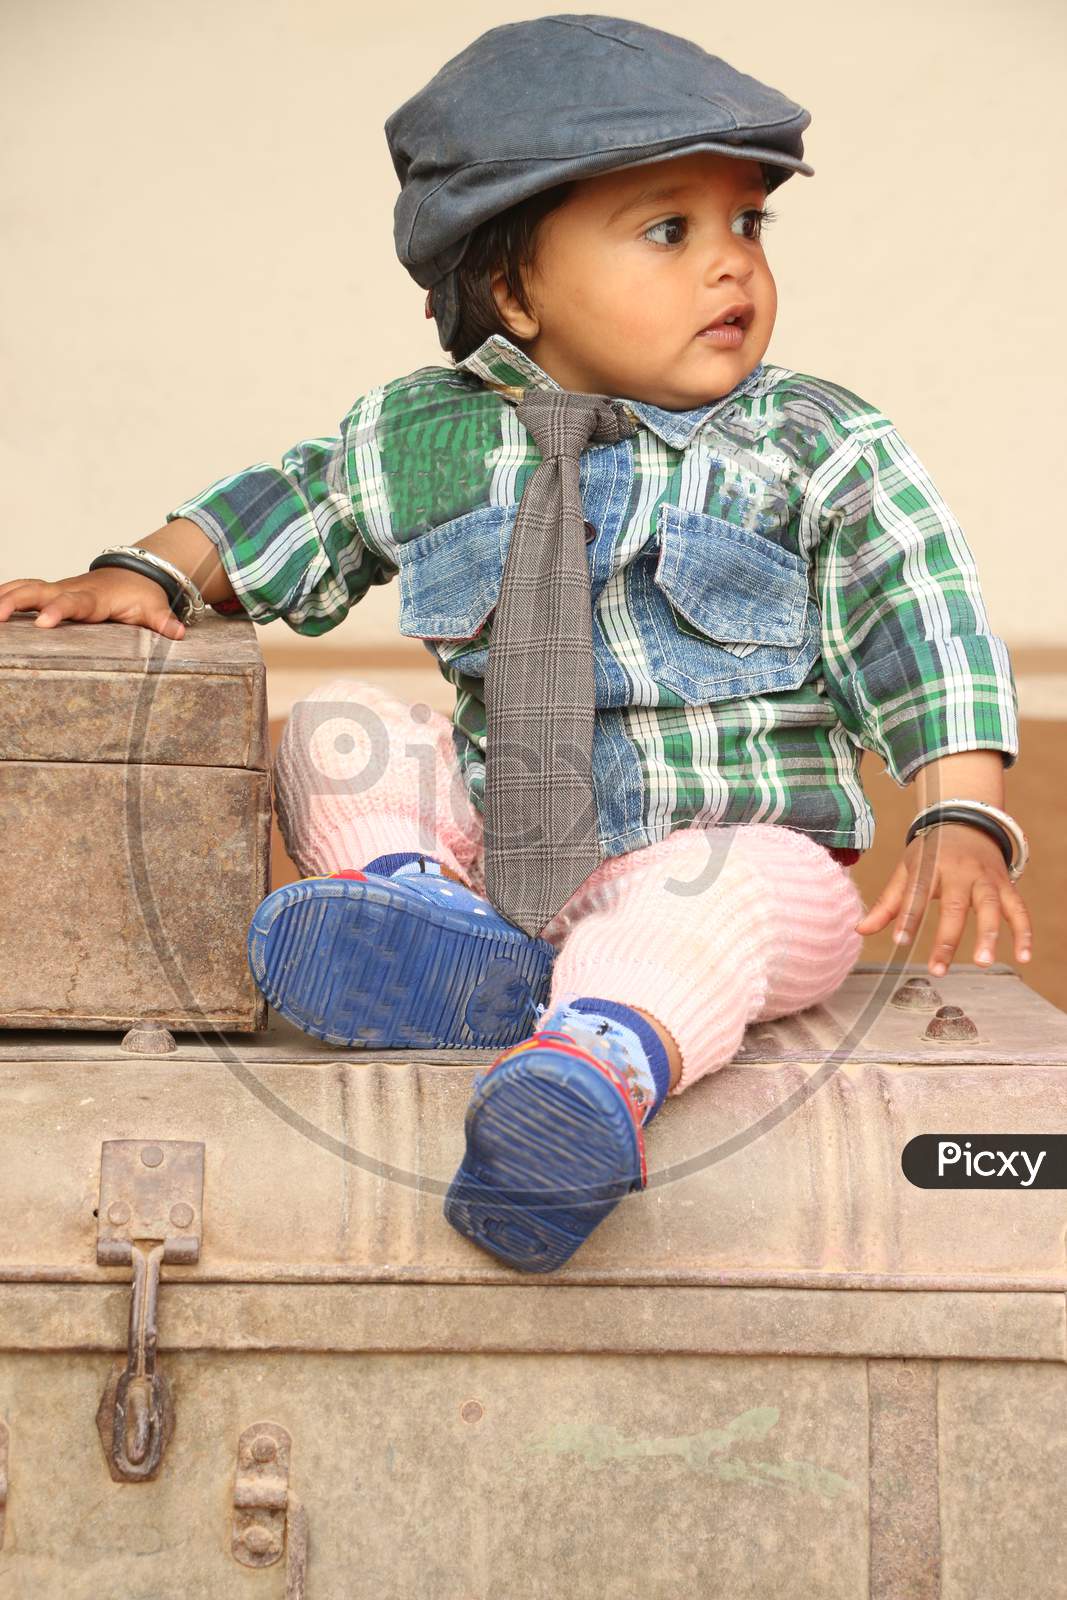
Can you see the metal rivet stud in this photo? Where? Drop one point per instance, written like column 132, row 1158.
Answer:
column 152, row 1155
column 917, row 994
column 260, row 1541
column 149, row 1039
column 181, row 1214
column 118, row 1212
column 950, row 1022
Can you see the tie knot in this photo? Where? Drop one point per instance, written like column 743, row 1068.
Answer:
column 563, row 422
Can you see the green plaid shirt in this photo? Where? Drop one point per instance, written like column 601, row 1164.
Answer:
column 776, row 583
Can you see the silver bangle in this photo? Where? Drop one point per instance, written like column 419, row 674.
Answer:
column 1018, row 837
column 197, row 604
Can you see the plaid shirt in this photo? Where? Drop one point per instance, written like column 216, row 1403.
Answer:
column 776, row 585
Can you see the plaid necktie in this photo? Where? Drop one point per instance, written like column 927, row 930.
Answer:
column 540, row 810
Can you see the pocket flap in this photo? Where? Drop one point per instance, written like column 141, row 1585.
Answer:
column 730, row 583
column 450, row 578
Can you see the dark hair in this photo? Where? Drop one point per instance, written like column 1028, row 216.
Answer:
column 505, row 243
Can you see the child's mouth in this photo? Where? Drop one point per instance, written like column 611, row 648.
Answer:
column 727, row 336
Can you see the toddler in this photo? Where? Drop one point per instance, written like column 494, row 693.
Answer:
column 677, row 589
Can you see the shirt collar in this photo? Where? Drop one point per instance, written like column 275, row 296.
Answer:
column 501, row 365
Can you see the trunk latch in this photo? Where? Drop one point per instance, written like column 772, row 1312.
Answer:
column 151, row 1197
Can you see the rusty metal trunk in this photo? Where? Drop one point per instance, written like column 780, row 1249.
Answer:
column 781, row 1366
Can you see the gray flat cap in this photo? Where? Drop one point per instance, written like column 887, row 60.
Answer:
column 532, row 104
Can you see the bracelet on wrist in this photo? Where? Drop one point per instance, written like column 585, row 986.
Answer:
column 195, row 605
column 196, row 600
column 990, row 819
column 970, row 819
column 177, row 599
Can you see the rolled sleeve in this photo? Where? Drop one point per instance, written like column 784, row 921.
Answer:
column 909, row 660
column 289, row 539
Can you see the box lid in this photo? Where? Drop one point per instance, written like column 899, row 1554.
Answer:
column 111, row 692
column 781, row 1169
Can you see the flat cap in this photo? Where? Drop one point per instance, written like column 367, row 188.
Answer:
column 532, row 104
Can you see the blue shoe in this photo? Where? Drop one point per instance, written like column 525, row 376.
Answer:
column 554, row 1142
column 397, row 962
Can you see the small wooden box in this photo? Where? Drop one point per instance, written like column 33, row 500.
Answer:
column 135, row 819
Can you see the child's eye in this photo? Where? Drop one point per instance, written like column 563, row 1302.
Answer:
column 760, row 221
column 668, row 222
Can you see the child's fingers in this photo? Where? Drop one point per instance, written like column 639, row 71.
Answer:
column 75, row 605
column 18, row 583
column 916, row 894
column 166, row 622
column 70, row 602
column 986, row 897
column 957, row 897
column 84, row 605
column 1019, row 918
column 23, row 594
column 887, row 904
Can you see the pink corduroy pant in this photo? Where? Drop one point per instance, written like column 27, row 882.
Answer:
column 707, row 931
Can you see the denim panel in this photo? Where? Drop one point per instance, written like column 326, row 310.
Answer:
column 721, row 611
column 618, row 782
column 724, row 612
column 607, row 482
column 450, row 578
column 730, row 583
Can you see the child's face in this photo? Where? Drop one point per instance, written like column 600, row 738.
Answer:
column 622, row 286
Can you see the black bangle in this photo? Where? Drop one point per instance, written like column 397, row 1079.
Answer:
column 177, row 598
column 976, row 819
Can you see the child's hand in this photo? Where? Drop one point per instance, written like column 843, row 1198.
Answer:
column 963, row 867
column 110, row 594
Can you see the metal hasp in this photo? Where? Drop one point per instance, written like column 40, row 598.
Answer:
column 151, row 1199
column 3, row 1479
column 267, row 1516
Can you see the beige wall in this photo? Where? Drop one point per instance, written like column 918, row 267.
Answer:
column 198, row 265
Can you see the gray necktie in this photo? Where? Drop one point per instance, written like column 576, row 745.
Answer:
column 540, row 810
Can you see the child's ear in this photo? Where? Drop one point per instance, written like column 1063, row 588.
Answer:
column 514, row 317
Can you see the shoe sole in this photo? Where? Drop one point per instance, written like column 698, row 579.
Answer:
column 358, row 962
column 551, row 1149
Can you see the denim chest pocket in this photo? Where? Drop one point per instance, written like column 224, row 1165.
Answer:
column 724, row 611
column 450, row 578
